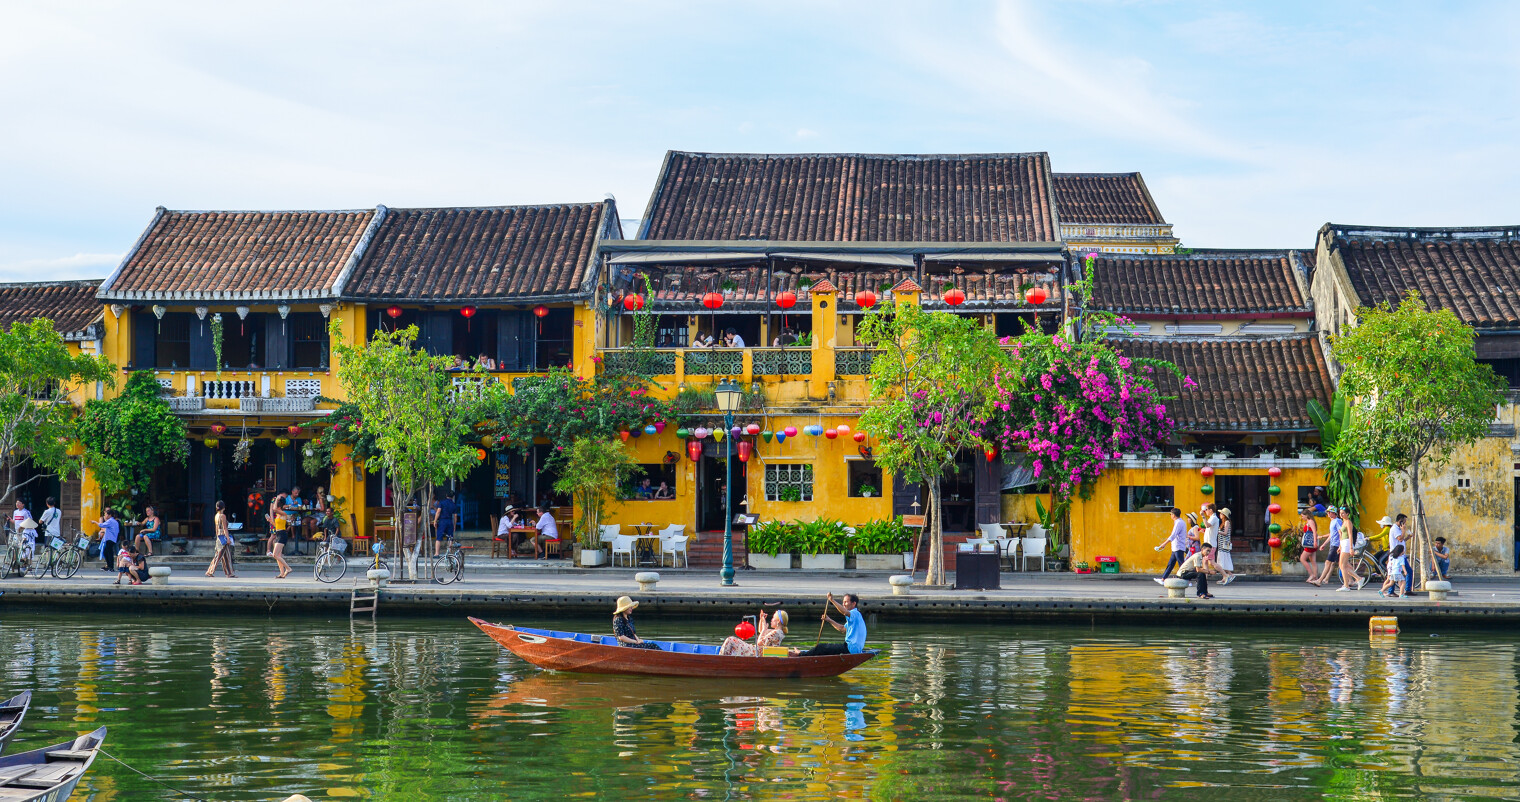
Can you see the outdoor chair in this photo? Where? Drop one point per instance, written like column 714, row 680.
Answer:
column 676, row 546
column 992, row 531
column 672, row 531
column 622, row 544
column 1034, row 547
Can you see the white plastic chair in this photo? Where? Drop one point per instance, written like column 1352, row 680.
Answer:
column 674, row 530
column 1034, row 547
column 610, row 531
column 992, row 531
column 971, row 544
column 622, row 544
column 676, row 546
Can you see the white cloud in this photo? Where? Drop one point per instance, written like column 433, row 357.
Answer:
column 78, row 266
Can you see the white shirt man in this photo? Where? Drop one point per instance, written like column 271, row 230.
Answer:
column 545, row 526
column 1211, row 530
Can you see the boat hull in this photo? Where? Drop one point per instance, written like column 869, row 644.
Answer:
column 12, row 713
column 563, row 654
column 78, row 762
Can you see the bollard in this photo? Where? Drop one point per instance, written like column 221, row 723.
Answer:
column 159, row 574
column 900, row 584
column 1438, row 589
column 1175, row 588
column 647, row 580
column 378, row 577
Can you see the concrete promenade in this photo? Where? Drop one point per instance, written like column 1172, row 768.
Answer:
column 500, row 589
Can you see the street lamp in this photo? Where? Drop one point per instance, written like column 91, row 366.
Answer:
column 728, row 394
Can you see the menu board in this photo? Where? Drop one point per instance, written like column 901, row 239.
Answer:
column 503, row 475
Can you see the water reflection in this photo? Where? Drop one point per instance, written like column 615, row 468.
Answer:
column 432, row 710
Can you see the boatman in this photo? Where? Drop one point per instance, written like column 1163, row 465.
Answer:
column 854, row 629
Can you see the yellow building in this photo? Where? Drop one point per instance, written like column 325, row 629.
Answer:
column 1111, row 213
column 1475, row 273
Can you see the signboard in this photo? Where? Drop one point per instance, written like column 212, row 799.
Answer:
column 913, row 520
column 744, row 519
column 503, row 476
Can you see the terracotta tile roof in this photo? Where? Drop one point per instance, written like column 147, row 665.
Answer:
column 1118, row 198
column 683, row 286
column 907, row 285
column 853, row 198
column 1474, row 272
column 228, row 255
column 71, row 305
column 480, row 254
column 1244, row 383
column 1215, row 282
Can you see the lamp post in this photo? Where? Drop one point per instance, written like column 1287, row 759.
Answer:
column 728, row 394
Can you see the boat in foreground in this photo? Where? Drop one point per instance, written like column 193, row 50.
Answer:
column 48, row 774
column 12, row 711
column 601, row 654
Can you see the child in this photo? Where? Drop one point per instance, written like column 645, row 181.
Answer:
column 1443, row 557
column 124, row 563
column 1393, row 586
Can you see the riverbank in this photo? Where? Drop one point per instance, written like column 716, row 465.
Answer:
column 526, row 590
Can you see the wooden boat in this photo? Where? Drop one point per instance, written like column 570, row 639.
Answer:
column 48, row 774
column 12, row 711
column 601, row 654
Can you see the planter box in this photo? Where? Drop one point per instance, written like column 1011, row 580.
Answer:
column 765, row 562
column 590, row 558
column 879, row 562
column 823, row 562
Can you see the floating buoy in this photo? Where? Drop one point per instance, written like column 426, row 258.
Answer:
column 1383, row 625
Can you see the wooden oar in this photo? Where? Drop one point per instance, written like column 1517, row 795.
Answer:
column 821, row 621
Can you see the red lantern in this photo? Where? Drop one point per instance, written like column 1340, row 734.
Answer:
column 860, row 437
column 712, row 300
column 831, row 433
column 218, row 428
column 991, row 455
column 394, row 312
column 746, row 448
column 1206, row 471
column 786, row 300
column 480, row 454
column 293, row 430
column 752, row 429
column 1274, row 508
column 624, row 434
column 955, row 297
column 744, row 631
column 633, row 302
column 1035, row 295
column 468, row 312
column 1274, row 542
column 694, row 449
column 865, row 299
column 541, row 311
column 1274, row 471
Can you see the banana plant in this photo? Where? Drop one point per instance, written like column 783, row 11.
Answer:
column 1331, row 422
column 1343, row 471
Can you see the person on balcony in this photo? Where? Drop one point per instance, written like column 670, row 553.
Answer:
column 702, row 341
column 732, row 339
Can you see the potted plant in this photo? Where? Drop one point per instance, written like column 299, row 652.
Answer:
column 789, row 493
column 823, row 544
column 867, row 491
column 882, row 546
column 1188, row 454
column 1308, row 452
column 770, row 545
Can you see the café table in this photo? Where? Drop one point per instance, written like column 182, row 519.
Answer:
column 646, row 542
column 517, row 535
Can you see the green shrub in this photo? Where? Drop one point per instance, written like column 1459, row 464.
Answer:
column 772, row 538
column 882, row 537
column 823, row 536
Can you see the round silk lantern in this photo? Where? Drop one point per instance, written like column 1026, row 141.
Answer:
column 293, row 430
column 636, row 432
column 480, row 454
column 1035, row 295
column 1274, row 508
column 1207, row 490
column 541, row 311
column 487, row 441
column 633, row 302
column 1274, row 542
column 1206, row 471
column 1273, row 490
column 212, row 442
column 650, row 429
column 282, row 442
column 955, row 297
column 683, row 433
column 767, row 435
column 1274, row 528
column 752, row 429
column 712, row 300
column 744, row 631
column 786, row 300
column 843, row 428
column 394, row 312
column 718, row 434
column 1274, row 471
column 831, row 433
column 746, row 448
column 701, row 432
column 468, row 312
column 218, row 428
column 860, row 437
column 865, row 299
column 791, row 431
column 694, row 449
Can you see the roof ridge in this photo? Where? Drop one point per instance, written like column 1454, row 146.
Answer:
column 270, row 211
column 501, row 207
column 900, row 156
column 1366, row 232
column 1096, row 175
column 1204, row 252
column 57, row 282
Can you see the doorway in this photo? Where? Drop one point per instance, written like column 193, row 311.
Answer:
column 711, row 488
column 1246, row 498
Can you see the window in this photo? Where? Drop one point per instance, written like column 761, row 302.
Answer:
column 1464, row 484
column 242, row 341
column 1508, row 368
column 308, row 341
column 1146, row 498
column 173, row 342
column 1195, row 328
column 864, row 477
column 652, row 482
column 788, row 482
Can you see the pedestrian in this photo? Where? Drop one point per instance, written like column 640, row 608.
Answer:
column 1197, row 569
column 278, row 541
column 1210, row 525
column 1309, row 543
column 110, row 532
column 1347, row 537
column 1178, row 542
column 223, row 554
column 1332, row 542
column 277, row 522
column 1224, row 546
column 1443, row 557
column 854, row 629
column 1195, row 533
column 443, row 520
column 1380, row 543
column 1394, row 584
column 49, row 523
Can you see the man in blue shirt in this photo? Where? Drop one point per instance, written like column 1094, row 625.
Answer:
column 110, row 534
column 443, row 519
column 854, row 629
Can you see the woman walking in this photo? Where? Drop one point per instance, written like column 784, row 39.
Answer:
column 1332, row 543
column 1310, row 543
column 279, row 540
column 1222, row 550
column 223, row 554
column 1349, row 578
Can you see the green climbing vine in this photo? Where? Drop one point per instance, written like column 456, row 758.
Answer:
column 216, row 340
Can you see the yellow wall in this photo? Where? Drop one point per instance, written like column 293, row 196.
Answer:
column 1477, row 521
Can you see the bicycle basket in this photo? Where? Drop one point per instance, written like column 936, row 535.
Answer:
column 339, row 545
column 377, row 548
column 83, row 544
column 56, row 543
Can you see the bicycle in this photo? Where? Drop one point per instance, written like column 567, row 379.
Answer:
column 13, row 561
column 1366, row 564
column 448, row 567
column 379, row 564
column 331, row 563
column 60, row 556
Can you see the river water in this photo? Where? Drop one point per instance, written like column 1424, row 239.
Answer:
column 234, row 708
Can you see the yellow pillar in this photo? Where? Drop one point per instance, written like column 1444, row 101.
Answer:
column 584, row 345
column 825, row 324
column 907, row 291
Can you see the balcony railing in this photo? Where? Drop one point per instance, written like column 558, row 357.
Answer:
column 714, row 362
column 783, row 361
column 228, row 389
column 660, row 363
column 182, row 403
column 854, row 361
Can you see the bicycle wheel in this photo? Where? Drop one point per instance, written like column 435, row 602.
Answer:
column 443, row 569
column 330, row 567
column 458, row 565
column 11, row 563
column 1368, row 567
column 67, row 563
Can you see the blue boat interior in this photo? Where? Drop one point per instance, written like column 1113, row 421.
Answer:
column 608, row 640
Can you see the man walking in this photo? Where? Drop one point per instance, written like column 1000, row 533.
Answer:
column 443, row 519
column 854, row 629
column 1178, row 542
column 110, row 532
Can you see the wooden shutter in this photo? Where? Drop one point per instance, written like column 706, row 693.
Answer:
column 202, row 357
column 144, row 341
column 438, row 333
column 989, row 491
column 276, row 354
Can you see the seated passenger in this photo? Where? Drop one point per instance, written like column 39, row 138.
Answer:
column 622, row 625
column 770, row 634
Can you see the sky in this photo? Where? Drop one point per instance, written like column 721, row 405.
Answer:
column 1253, row 123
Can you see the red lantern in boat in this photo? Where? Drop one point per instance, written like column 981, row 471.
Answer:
column 1206, row 471
column 744, row 631
column 694, row 449
column 860, row 437
column 712, row 300
column 633, row 302
column 293, row 430
column 1274, row 471
column 1035, row 295
column 394, row 312
column 541, row 311
column 786, row 300
column 955, row 297
column 746, row 448
column 865, row 299
column 1274, row 542
column 1274, row 508
column 218, row 428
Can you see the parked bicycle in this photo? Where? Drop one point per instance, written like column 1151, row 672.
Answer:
column 59, row 556
column 379, row 564
column 1366, row 564
column 448, row 566
column 13, row 561
column 332, row 560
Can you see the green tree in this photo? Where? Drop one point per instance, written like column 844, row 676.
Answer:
column 593, row 469
column 933, row 383
column 38, row 420
column 1419, row 393
column 419, row 413
column 1343, row 468
column 129, row 437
